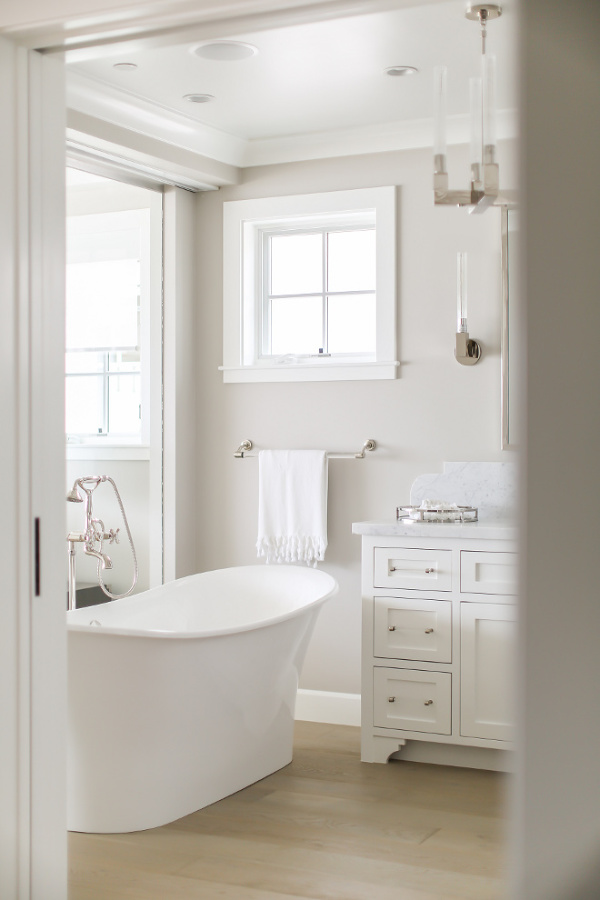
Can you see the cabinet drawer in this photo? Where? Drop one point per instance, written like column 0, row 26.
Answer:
column 488, row 573
column 421, row 570
column 412, row 700
column 413, row 629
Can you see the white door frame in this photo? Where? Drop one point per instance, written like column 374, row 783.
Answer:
column 32, row 623
column 77, row 24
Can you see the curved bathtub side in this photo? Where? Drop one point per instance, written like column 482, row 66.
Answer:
column 159, row 729
column 223, row 601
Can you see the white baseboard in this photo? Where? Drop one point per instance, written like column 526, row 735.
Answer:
column 328, row 707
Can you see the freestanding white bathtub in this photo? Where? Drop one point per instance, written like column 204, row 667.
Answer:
column 185, row 694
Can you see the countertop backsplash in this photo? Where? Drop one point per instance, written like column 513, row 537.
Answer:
column 491, row 487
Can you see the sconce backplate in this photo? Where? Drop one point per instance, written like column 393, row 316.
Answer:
column 468, row 351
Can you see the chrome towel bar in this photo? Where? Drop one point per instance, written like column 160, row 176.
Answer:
column 244, row 448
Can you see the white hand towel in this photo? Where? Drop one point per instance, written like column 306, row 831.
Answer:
column 292, row 505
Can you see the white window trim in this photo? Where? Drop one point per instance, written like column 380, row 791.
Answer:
column 243, row 222
column 112, row 452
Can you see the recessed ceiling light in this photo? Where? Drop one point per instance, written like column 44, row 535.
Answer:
column 124, row 65
column 198, row 98
column 224, row 51
column 401, row 70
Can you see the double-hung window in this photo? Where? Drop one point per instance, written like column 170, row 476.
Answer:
column 309, row 287
column 104, row 325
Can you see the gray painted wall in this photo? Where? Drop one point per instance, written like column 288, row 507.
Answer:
column 436, row 410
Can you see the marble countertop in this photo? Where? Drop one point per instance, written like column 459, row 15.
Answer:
column 488, row 528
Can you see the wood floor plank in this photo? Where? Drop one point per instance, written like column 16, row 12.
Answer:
column 326, row 827
column 350, row 879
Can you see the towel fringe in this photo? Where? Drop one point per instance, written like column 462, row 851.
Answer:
column 306, row 549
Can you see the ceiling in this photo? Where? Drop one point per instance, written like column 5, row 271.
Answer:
column 311, row 88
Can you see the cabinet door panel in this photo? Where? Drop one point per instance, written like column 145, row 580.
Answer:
column 413, row 629
column 488, row 640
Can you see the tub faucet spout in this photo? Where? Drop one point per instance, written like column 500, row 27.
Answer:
column 104, row 559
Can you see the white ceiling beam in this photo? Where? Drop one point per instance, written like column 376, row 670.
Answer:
column 122, row 146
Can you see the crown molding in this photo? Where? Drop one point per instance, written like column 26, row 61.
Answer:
column 211, row 147
column 379, row 138
column 93, row 97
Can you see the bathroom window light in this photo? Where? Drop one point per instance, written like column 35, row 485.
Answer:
column 319, row 293
column 106, row 328
column 309, row 287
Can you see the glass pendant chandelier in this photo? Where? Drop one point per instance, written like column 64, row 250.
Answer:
column 484, row 189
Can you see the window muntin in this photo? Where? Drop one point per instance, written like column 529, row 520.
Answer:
column 103, row 393
column 313, row 283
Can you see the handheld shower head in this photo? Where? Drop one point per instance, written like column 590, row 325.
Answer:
column 74, row 496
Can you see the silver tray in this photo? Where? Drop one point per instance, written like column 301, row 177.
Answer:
column 436, row 515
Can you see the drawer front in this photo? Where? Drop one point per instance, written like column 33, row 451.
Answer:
column 421, row 570
column 488, row 573
column 413, row 629
column 412, row 701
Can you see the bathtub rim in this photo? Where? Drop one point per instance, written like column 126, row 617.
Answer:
column 119, row 631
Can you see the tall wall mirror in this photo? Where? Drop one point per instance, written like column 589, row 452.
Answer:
column 511, row 377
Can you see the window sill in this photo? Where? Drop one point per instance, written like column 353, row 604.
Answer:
column 114, row 452
column 314, row 371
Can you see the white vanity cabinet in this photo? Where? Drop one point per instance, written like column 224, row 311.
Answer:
column 439, row 636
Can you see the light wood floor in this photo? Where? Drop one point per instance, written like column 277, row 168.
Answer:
column 327, row 827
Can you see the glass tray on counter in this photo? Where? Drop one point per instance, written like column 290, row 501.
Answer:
column 436, row 514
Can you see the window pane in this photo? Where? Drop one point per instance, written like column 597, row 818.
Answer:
column 351, row 322
column 84, row 403
column 102, row 303
column 351, row 260
column 296, row 325
column 124, row 398
column 88, row 362
column 296, row 264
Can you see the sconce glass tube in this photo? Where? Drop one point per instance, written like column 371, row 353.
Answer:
column 439, row 118
column 488, row 65
column 461, row 293
column 476, row 131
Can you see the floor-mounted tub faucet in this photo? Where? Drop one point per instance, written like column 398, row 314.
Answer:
column 94, row 535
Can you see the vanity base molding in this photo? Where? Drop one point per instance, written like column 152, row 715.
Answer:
column 438, row 644
column 466, row 757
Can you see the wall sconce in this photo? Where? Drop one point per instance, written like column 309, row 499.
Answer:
column 468, row 351
column 485, row 176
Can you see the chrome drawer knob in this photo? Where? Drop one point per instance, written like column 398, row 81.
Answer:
column 391, row 699
column 428, row 703
column 428, row 571
column 429, row 631
column 391, row 627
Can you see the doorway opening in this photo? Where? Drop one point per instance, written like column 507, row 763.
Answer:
column 113, row 369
